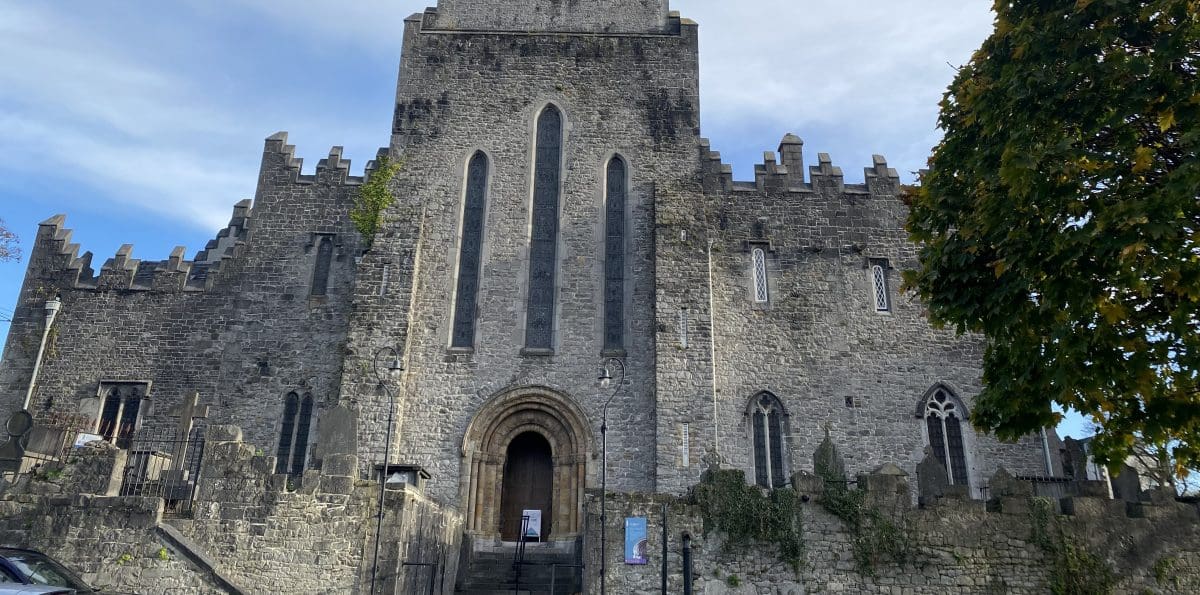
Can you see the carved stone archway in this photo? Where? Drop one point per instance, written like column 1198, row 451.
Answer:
column 485, row 445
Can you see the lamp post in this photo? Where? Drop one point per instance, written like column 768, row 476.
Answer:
column 606, row 379
column 394, row 365
column 52, row 307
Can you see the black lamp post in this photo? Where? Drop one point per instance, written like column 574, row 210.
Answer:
column 605, row 380
column 394, row 365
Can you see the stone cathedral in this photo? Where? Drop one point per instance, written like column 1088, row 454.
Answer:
column 557, row 217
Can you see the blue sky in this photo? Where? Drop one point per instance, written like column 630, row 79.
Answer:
column 144, row 121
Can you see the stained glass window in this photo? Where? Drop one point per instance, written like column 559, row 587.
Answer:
column 943, row 417
column 614, row 256
column 291, row 455
column 470, row 253
column 544, row 241
column 770, row 469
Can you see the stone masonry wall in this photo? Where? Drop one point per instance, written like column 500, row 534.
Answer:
column 111, row 541
column 633, row 95
column 237, row 323
column 607, row 16
column 818, row 343
column 956, row 546
column 315, row 535
column 250, row 529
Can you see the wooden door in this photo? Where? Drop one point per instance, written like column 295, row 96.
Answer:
column 528, row 484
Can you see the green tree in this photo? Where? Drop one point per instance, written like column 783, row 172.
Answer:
column 9, row 248
column 1060, row 219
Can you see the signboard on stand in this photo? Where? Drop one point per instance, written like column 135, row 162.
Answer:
column 533, row 531
column 635, row 540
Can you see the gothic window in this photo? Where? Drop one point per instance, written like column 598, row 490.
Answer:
column 320, row 283
column 543, row 243
column 614, row 256
column 759, row 261
column 767, row 430
column 119, row 412
column 470, row 254
column 293, row 434
column 943, row 418
column 879, row 285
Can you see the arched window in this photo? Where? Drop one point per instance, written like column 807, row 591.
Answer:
column 614, row 256
column 539, row 324
column 293, row 434
column 119, row 412
column 759, row 260
column 470, row 253
column 943, row 419
column 880, row 286
column 767, row 423
column 320, row 283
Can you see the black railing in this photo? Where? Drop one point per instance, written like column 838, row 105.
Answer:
column 519, row 556
column 164, row 466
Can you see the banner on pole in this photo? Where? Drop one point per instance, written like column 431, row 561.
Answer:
column 635, row 540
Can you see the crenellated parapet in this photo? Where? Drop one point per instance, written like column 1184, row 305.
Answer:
column 62, row 266
column 783, row 171
column 332, row 170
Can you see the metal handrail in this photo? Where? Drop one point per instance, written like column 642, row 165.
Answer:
column 519, row 558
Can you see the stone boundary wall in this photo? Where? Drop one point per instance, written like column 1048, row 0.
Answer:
column 251, row 530
column 956, row 545
column 111, row 541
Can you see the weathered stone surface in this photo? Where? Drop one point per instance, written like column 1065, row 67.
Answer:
column 931, row 477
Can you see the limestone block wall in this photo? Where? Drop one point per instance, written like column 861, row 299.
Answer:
column 315, row 535
column 236, row 323
column 633, row 95
column 607, row 16
column 957, row 546
column 110, row 541
column 818, row 343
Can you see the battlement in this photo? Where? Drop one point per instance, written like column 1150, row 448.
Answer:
column 787, row 174
column 332, row 170
column 555, row 16
column 65, row 267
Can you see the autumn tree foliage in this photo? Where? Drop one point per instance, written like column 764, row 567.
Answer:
column 1061, row 219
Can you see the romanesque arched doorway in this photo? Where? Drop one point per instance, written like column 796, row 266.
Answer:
column 525, row 449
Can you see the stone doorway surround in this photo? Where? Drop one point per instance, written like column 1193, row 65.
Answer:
column 508, row 414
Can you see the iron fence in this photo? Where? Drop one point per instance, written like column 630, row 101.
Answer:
column 160, row 464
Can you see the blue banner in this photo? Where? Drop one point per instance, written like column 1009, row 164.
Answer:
column 635, row 540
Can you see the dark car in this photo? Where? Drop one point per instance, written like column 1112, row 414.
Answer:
column 28, row 567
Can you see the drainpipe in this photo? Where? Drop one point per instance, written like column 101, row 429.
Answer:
column 52, row 308
column 687, row 563
column 712, row 341
column 1046, row 453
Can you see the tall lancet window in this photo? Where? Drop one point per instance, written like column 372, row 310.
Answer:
column 943, row 417
column 767, row 432
column 539, row 324
column 759, row 260
column 291, row 455
column 614, row 256
column 320, row 283
column 470, row 254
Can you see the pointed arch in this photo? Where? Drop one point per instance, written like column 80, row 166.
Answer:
column 470, row 252
column 543, row 245
column 320, row 282
column 615, row 232
column 944, row 414
column 768, row 432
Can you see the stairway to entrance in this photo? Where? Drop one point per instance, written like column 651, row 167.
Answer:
column 492, row 572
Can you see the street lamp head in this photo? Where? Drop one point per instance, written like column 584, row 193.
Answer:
column 605, row 377
column 52, row 306
column 395, row 365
